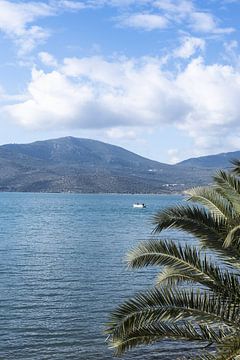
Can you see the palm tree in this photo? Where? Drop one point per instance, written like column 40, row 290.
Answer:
column 197, row 295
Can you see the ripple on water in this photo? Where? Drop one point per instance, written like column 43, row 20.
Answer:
column 62, row 271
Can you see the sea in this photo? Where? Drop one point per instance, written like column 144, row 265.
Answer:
column 62, row 271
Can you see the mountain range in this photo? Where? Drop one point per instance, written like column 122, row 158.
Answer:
column 88, row 166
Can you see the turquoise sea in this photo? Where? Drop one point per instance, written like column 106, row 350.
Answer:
column 62, row 271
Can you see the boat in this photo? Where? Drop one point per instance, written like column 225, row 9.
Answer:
column 139, row 206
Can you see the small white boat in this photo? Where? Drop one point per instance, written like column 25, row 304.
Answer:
column 139, row 206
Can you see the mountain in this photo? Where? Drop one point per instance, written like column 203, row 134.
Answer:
column 219, row 161
column 88, row 166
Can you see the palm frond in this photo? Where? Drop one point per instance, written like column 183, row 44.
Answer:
column 163, row 304
column 192, row 219
column 228, row 186
column 233, row 238
column 200, row 223
column 204, row 356
column 184, row 263
column 228, row 283
column 164, row 330
column 210, row 312
column 218, row 205
column 236, row 168
column 229, row 349
column 169, row 276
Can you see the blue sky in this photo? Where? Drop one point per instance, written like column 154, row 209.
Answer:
column 158, row 77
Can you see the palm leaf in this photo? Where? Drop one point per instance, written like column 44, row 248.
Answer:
column 205, row 356
column 163, row 304
column 229, row 349
column 189, row 314
column 233, row 238
column 185, row 262
column 200, row 223
column 236, row 169
column 194, row 220
column 169, row 276
column 218, row 205
column 164, row 330
column 228, row 186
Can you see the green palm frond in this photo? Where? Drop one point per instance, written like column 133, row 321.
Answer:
column 228, row 185
column 228, row 282
column 218, row 205
column 200, row 223
column 184, row 263
column 229, row 349
column 205, row 356
column 209, row 312
column 236, row 168
column 192, row 219
column 164, row 330
column 169, row 276
column 233, row 238
column 163, row 304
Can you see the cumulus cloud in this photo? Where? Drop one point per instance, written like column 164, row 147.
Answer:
column 93, row 93
column 189, row 47
column 47, row 59
column 52, row 101
column 212, row 91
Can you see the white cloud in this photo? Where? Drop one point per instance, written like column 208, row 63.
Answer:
column 213, row 92
column 53, row 100
column 177, row 7
column 145, row 21
column 72, row 5
column 17, row 20
column 164, row 13
column 231, row 54
column 201, row 100
column 206, row 23
column 93, row 92
column 119, row 3
column 189, row 47
column 47, row 59
column 174, row 13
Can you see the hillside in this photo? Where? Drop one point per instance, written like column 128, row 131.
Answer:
column 90, row 166
column 218, row 161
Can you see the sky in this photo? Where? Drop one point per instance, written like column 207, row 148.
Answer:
column 157, row 77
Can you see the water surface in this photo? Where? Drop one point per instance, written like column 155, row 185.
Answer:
column 62, row 272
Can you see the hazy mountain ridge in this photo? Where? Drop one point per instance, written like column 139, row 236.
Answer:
column 90, row 166
column 218, row 161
